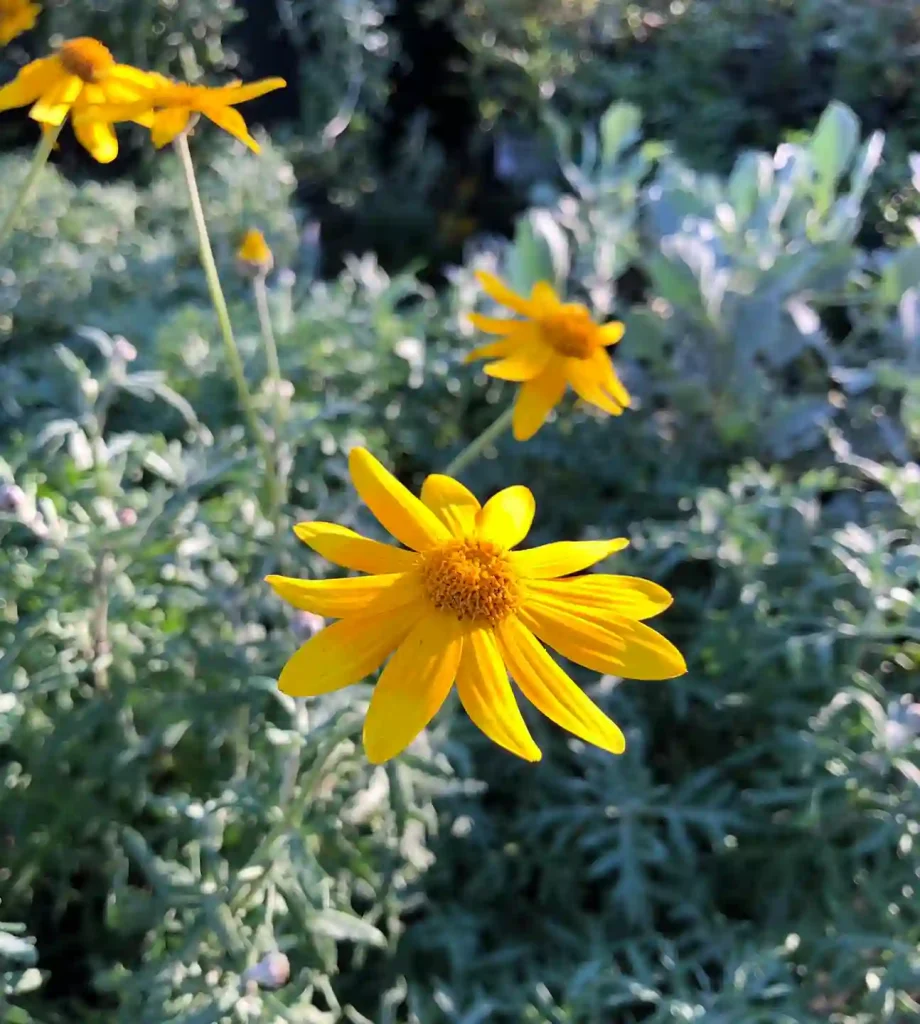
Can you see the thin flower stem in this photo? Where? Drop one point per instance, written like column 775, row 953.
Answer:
column 479, row 444
column 274, row 381
column 42, row 151
column 209, row 265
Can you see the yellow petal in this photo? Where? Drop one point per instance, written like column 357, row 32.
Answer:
column 586, row 378
column 54, row 105
column 167, row 126
column 507, row 516
column 544, row 298
column 455, row 505
column 345, row 547
column 123, row 81
column 564, row 557
column 536, row 399
column 242, row 93
column 628, row 596
column 610, row 333
column 486, row 694
column 343, row 653
column 338, row 598
column 14, row 24
column 492, row 324
column 232, row 122
column 97, row 138
column 397, row 510
column 526, row 360
column 33, row 80
column 551, row 691
column 502, row 294
column 609, row 381
column 490, row 351
column 413, row 686
column 604, row 642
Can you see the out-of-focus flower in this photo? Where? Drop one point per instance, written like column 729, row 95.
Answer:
column 77, row 80
column 306, row 624
column 12, row 498
column 463, row 606
column 555, row 344
column 272, row 971
column 124, row 350
column 254, row 256
column 176, row 106
column 16, row 17
column 127, row 517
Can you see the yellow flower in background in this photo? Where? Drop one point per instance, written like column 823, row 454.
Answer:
column 557, row 343
column 463, row 606
column 254, row 253
column 16, row 17
column 176, row 106
column 78, row 78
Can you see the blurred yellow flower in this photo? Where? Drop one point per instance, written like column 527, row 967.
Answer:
column 176, row 106
column 78, row 78
column 463, row 606
column 254, row 252
column 16, row 17
column 557, row 343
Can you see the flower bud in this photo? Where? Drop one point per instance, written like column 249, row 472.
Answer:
column 307, row 624
column 254, row 257
column 272, row 971
column 127, row 517
column 124, row 350
column 12, row 498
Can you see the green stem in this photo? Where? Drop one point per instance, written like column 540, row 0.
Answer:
column 478, row 445
column 274, row 380
column 209, row 266
column 42, row 151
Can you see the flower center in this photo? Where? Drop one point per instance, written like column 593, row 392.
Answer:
column 86, row 58
column 571, row 331
column 471, row 580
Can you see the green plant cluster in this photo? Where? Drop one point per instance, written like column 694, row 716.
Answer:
column 168, row 818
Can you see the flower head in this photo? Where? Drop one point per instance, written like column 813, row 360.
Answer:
column 176, row 106
column 254, row 255
column 461, row 605
column 556, row 343
column 16, row 17
column 77, row 79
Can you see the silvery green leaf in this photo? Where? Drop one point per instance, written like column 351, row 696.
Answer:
column 900, row 273
column 832, row 146
column 16, row 949
column 540, row 252
column 342, row 927
column 619, row 129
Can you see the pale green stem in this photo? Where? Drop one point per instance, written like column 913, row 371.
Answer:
column 479, row 444
column 42, row 151
column 209, row 266
column 274, row 382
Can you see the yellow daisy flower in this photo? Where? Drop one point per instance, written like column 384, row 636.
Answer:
column 463, row 606
column 176, row 106
column 254, row 253
column 16, row 17
column 78, row 78
column 557, row 343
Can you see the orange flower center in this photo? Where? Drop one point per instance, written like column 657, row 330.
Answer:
column 86, row 58
column 571, row 331
column 471, row 580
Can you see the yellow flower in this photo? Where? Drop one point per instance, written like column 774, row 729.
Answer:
column 462, row 605
column 76, row 79
column 176, row 106
column 16, row 17
column 254, row 253
column 557, row 343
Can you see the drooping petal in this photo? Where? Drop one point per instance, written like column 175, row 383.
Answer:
column 536, row 399
column 349, row 549
column 605, row 643
column 167, row 126
column 54, row 105
column 455, row 505
column 544, row 298
column 232, row 122
column 526, row 360
column 492, row 324
column 486, row 694
column 628, row 596
column 551, row 690
column 563, row 557
column 243, row 93
column 339, row 598
column 585, row 378
column 610, row 333
column 506, row 518
column 609, row 381
column 97, row 138
column 344, row 653
column 397, row 510
column 33, row 80
column 495, row 288
column 413, row 686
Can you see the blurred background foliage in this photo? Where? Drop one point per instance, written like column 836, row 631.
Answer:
column 735, row 180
